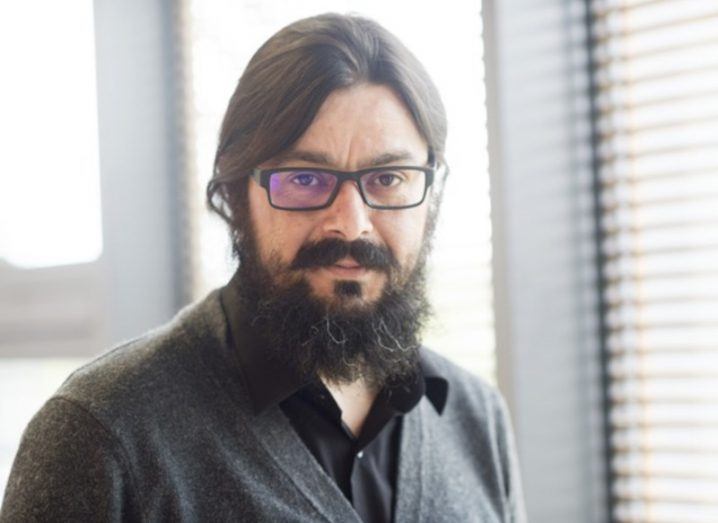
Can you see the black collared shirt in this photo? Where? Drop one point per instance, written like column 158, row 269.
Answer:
column 364, row 466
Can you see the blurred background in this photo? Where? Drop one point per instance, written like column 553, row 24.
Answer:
column 576, row 260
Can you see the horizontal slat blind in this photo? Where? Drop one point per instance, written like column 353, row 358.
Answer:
column 657, row 99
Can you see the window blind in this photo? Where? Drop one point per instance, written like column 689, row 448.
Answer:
column 656, row 89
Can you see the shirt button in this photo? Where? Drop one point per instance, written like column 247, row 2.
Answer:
column 360, row 454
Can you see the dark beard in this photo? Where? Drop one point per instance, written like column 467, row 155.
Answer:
column 341, row 343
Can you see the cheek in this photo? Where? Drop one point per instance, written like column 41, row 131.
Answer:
column 279, row 234
column 404, row 232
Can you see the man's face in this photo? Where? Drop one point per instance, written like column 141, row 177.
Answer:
column 353, row 129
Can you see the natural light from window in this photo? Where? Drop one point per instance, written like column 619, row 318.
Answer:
column 49, row 168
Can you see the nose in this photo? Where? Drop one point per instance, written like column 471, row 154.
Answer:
column 348, row 216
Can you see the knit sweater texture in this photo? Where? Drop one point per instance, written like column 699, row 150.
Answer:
column 161, row 429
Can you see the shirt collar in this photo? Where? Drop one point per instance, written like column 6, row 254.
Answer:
column 270, row 381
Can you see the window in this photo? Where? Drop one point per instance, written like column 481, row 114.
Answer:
column 50, row 186
column 657, row 98
column 50, row 225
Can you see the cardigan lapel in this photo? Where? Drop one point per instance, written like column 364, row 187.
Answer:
column 414, row 481
column 282, row 443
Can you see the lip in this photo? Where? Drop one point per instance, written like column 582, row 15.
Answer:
column 347, row 268
column 347, row 263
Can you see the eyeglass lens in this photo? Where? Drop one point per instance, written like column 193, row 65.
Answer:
column 307, row 188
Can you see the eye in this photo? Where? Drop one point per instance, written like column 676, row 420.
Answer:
column 387, row 179
column 305, row 179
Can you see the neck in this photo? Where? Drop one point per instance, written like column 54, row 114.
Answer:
column 355, row 400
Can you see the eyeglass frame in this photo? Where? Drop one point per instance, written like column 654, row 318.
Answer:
column 261, row 176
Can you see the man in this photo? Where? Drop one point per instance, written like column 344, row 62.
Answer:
column 300, row 391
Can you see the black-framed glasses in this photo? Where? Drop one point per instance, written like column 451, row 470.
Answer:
column 313, row 188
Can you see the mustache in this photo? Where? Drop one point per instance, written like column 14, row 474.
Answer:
column 329, row 251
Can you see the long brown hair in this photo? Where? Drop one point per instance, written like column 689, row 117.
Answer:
column 285, row 84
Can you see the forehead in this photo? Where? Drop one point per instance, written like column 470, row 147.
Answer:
column 360, row 126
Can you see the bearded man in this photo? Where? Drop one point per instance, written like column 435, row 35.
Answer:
column 300, row 391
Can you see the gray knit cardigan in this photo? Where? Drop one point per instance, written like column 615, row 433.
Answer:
column 161, row 429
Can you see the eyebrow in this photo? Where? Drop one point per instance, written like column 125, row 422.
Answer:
column 325, row 160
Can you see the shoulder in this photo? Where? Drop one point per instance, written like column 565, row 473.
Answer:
column 69, row 468
column 115, row 415
column 465, row 387
column 152, row 373
column 476, row 414
column 471, row 400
